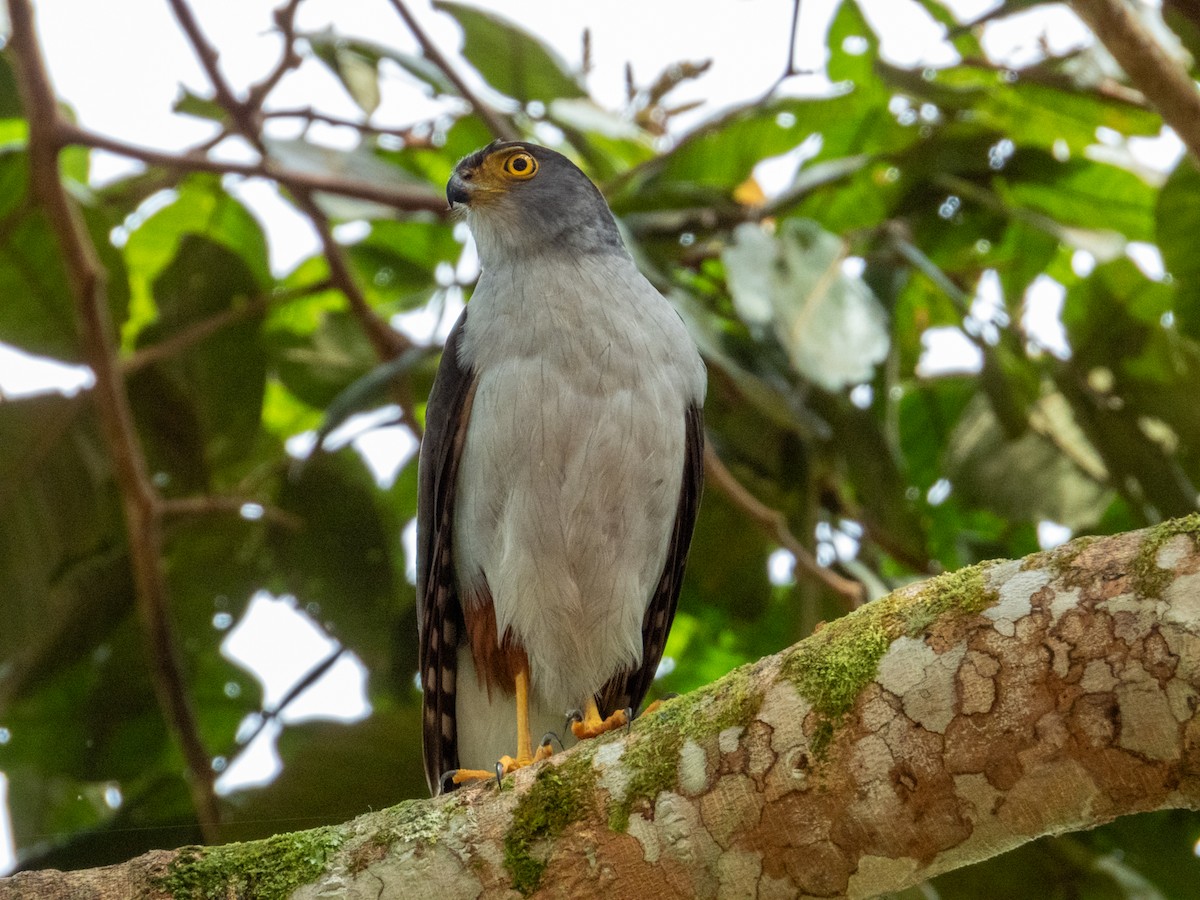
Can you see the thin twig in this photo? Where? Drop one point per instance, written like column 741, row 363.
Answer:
column 143, row 520
column 1163, row 81
column 790, row 69
column 497, row 124
column 285, row 21
column 206, row 328
column 244, row 117
column 182, row 507
column 775, row 524
column 410, row 198
column 408, row 134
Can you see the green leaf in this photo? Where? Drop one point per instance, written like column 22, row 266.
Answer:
column 63, row 569
column 1083, row 194
column 200, row 206
column 317, row 367
column 221, row 379
column 39, row 311
column 509, row 58
column 396, row 261
column 343, row 558
column 355, row 63
column 1177, row 221
column 1029, row 478
column 191, row 104
column 1032, row 113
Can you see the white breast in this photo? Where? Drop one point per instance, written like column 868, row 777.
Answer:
column 571, row 470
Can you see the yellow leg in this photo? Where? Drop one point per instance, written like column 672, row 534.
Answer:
column 592, row 725
column 524, row 740
column 525, row 752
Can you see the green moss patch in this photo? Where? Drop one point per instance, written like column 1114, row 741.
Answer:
column 1148, row 579
column 652, row 758
column 269, row 869
column 559, row 796
column 831, row 668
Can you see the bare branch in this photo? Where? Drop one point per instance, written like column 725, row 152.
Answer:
column 775, row 524
column 143, row 510
column 403, row 197
column 408, row 134
column 1165, row 83
column 245, row 117
column 497, row 124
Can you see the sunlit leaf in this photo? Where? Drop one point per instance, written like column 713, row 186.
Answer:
column 831, row 325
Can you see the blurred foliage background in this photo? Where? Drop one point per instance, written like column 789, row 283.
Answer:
column 1005, row 213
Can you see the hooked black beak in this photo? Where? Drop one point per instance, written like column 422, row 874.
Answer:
column 456, row 191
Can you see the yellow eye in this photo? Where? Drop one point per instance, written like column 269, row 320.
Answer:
column 521, row 165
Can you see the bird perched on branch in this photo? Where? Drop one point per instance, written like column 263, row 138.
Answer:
column 560, row 474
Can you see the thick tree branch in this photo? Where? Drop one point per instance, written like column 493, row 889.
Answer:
column 142, row 505
column 936, row 727
column 1165, row 83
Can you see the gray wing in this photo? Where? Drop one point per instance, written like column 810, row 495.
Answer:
column 439, row 611
column 629, row 688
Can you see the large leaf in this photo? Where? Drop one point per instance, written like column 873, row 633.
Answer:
column 1084, row 194
column 39, row 311
column 343, row 557
column 200, row 206
column 832, row 326
column 64, row 575
column 220, row 380
column 1031, row 113
column 509, row 58
column 1029, row 478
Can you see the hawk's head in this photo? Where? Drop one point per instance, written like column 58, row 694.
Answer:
column 522, row 199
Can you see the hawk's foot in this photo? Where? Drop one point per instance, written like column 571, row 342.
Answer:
column 504, row 766
column 590, row 725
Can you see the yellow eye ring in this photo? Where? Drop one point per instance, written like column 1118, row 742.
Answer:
column 521, row 165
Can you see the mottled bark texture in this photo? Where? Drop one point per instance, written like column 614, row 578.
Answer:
column 946, row 723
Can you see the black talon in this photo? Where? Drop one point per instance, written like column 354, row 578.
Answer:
column 628, row 718
column 499, row 774
column 551, row 736
column 447, row 780
column 574, row 715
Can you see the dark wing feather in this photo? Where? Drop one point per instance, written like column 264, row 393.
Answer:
column 439, row 611
column 629, row 688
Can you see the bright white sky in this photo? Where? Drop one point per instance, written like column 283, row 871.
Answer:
column 120, row 63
